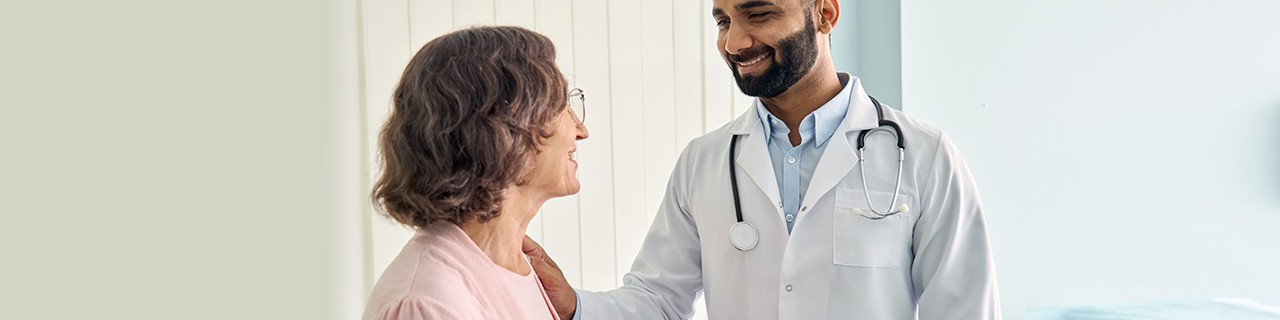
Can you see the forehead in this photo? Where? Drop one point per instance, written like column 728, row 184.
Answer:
column 730, row 6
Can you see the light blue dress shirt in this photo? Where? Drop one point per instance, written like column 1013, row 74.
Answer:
column 793, row 166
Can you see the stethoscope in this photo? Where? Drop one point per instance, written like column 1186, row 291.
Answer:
column 744, row 236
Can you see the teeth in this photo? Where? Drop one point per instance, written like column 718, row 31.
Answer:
column 573, row 155
column 752, row 61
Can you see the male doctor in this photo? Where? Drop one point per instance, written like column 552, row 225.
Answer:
column 817, row 251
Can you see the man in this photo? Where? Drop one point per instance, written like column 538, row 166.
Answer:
column 831, row 237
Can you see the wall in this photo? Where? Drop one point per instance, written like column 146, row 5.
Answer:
column 1126, row 150
column 867, row 42
column 166, row 160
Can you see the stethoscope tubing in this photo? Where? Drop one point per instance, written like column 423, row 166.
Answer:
column 744, row 236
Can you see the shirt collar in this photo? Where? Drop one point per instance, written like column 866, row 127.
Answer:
column 820, row 124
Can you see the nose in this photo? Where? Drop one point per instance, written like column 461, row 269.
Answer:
column 736, row 39
column 582, row 131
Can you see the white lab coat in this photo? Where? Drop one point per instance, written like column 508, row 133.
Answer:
column 933, row 262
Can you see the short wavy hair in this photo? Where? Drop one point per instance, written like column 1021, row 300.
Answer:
column 470, row 111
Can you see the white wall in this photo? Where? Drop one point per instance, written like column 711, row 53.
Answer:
column 179, row 160
column 653, row 82
column 1126, row 150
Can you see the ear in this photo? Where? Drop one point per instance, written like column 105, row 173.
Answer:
column 828, row 14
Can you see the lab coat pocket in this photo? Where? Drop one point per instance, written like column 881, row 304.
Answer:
column 861, row 242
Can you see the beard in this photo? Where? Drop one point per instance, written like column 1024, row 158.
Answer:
column 798, row 53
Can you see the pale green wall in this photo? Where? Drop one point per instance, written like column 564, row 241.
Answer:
column 1126, row 151
column 866, row 42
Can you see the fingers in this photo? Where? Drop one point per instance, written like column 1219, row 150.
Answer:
column 536, row 254
column 531, row 248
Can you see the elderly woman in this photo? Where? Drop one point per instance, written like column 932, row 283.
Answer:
column 481, row 134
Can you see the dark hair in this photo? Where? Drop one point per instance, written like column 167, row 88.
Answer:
column 467, row 117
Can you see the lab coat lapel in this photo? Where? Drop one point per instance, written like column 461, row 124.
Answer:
column 753, row 155
column 838, row 158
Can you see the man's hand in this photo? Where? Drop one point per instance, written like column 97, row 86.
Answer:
column 558, row 289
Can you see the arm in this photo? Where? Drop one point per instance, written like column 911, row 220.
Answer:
column 664, row 280
column 666, row 276
column 953, row 272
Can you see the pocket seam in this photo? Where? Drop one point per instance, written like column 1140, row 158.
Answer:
column 854, row 250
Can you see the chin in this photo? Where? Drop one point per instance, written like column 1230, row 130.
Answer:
column 571, row 186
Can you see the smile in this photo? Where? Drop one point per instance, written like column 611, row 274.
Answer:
column 751, row 65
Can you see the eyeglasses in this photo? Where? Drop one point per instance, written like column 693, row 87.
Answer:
column 578, row 105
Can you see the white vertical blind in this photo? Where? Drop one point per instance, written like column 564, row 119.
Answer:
column 686, row 47
column 385, row 33
column 595, row 154
column 718, row 86
column 516, row 12
column 653, row 81
column 468, row 13
column 625, row 72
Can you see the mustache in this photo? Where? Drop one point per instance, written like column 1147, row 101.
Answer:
column 750, row 53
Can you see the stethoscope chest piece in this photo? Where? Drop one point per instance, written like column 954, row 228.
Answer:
column 744, row 236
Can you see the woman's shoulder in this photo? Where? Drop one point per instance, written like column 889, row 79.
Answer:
column 417, row 307
column 433, row 271
column 428, row 292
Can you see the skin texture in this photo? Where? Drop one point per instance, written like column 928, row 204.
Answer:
column 553, row 174
column 796, row 77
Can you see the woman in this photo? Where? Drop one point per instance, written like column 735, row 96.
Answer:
column 480, row 135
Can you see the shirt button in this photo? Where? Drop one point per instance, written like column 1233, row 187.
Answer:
column 790, row 217
column 791, row 159
column 788, row 288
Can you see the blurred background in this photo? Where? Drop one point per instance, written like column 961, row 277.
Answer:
column 212, row 160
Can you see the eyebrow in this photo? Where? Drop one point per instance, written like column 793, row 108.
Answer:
column 753, row 4
column 743, row 6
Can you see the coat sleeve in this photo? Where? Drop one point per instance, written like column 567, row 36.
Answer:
column 953, row 272
column 666, row 276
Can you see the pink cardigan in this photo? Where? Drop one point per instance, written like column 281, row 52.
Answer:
column 442, row 274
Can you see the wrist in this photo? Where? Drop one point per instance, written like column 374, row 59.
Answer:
column 572, row 310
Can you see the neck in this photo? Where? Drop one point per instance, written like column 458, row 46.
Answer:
column 501, row 237
column 805, row 96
